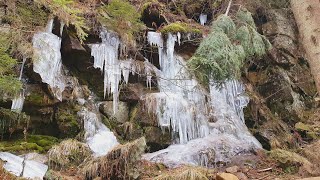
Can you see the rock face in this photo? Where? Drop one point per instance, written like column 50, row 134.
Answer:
column 122, row 114
column 281, row 82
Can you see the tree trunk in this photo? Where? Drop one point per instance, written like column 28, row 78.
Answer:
column 307, row 14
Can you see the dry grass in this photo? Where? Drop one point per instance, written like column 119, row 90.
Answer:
column 120, row 163
column 190, row 173
column 68, row 152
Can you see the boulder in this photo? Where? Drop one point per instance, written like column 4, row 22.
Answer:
column 226, row 176
column 121, row 115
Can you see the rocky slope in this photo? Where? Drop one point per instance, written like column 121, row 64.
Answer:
column 282, row 113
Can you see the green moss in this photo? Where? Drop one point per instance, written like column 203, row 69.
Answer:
column 34, row 99
column 67, row 120
column 46, row 142
column 179, row 27
column 37, row 143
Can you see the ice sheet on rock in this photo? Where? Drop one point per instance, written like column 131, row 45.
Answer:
column 207, row 151
column 99, row 138
column 203, row 19
column 15, row 165
column 227, row 103
column 33, row 169
column 48, row 62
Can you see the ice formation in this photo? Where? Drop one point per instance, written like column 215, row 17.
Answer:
column 210, row 130
column 203, row 19
column 48, row 62
column 99, row 138
column 17, row 102
column 180, row 104
column 106, row 58
column 22, row 167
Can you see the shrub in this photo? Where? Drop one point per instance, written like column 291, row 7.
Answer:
column 222, row 54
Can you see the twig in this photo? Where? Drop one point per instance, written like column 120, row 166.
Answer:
column 264, row 170
column 264, row 177
column 228, row 9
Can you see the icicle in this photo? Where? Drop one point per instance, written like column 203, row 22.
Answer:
column 155, row 39
column 179, row 38
column 61, row 28
column 22, row 67
column 49, row 27
column 203, row 19
column 48, row 62
column 106, row 59
column 17, row 103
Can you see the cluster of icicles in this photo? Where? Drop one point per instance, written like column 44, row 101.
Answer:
column 200, row 121
column 106, row 58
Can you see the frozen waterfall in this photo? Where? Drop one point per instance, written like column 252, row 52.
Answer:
column 99, row 138
column 48, row 62
column 210, row 130
column 181, row 104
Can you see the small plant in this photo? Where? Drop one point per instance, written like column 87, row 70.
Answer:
column 120, row 16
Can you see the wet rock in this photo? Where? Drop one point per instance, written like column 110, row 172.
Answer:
column 226, row 176
column 121, row 115
column 156, row 138
column 12, row 121
column 140, row 115
column 232, row 169
column 37, row 96
column 129, row 131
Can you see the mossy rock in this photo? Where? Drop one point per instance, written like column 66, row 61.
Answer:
column 290, row 161
column 67, row 120
column 46, row 142
column 34, row 143
column 311, row 132
column 179, row 27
